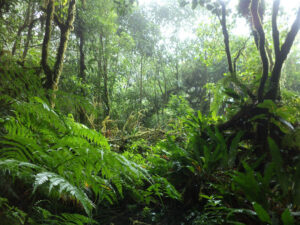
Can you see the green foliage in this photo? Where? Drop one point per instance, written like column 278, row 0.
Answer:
column 263, row 194
column 62, row 158
column 178, row 107
column 10, row 215
column 287, row 218
column 17, row 82
column 209, row 146
column 127, row 69
column 261, row 213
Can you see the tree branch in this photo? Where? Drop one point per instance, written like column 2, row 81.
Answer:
column 32, row 21
column 21, row 28
column 285, row 49
column 258, row 26
column 238, row 55
column 290, row 38
column 275, row 31
column 231, row 66
column 270, row 58
column 58, row 22
column 226, row 36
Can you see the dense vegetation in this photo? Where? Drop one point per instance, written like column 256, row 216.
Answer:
column 118, row 112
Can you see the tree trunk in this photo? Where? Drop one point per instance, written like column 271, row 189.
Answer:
column 261, row 42
column 141, row 82
column 53, row 76
column 46, row 42
column 226, row 37
column 21, row 28
column 105, row 89
column 82, row 67
column 104, row 71
column 281, row 54
column 32, row 21
column 231, row 65
column 65, row 33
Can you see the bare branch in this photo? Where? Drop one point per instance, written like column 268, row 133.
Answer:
column 238, row 55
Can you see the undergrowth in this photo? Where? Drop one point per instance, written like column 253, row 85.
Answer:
column 55, row 170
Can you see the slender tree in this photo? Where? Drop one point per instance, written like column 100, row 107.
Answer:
column 53, row 75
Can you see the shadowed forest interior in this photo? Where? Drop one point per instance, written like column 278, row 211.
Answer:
column 139, row 112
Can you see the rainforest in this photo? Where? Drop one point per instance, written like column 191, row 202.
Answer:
column 148, row 112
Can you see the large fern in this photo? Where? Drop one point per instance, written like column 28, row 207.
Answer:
column 63, row 158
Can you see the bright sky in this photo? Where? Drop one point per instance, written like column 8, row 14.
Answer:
column 288, row 6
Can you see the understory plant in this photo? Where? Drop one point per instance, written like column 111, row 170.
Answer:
column 51, row 164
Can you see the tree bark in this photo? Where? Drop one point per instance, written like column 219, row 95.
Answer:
column 52, row 77
column 231, row 66
column 46, row 41
column 261, row 34
column 82, row 66
column 104, row 71
column 32, row 21
column 282, row 53
column 21, row 28
column 65, row 33
column 226, row 37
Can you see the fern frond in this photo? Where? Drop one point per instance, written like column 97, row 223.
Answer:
column 92, row 136
column 46, row 217
column 16, row 168
column 64, row 157
column 22, row 148
column 63, row 186
column 76, row 219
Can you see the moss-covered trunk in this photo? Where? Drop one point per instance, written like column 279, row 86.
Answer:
column 53, row 76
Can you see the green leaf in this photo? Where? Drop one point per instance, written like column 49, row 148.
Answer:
column 297, row 185
column 275, row 153
column 268, row 104
column 286, row 123
column 249, row 185
column 268, row 173
column 231, row 93
column 287, row 218
column 278, row 161
column 234, row 148
column 261, row 213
